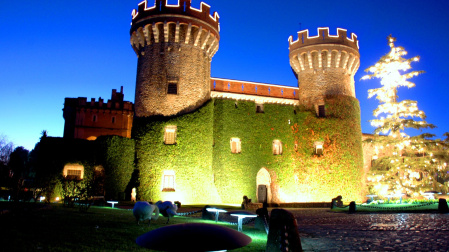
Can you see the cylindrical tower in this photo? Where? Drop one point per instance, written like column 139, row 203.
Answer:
column 324, row 64
column 174, row 45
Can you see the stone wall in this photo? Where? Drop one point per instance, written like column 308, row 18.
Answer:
column 316, row 84
column 161, row 63
column 174, row 44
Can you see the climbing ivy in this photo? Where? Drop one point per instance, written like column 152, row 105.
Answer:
column 207, row 172
column 190, row 158
column 117, row 158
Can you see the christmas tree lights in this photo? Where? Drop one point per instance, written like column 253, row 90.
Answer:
column 402, row 163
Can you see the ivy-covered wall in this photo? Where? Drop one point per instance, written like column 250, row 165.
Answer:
column 207, row 172
column 117, row 157
column 190, row 158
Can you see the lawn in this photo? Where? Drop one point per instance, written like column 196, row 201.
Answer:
column 39, row 227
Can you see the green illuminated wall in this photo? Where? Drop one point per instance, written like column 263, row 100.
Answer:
column 190, row 158
column 207, row 172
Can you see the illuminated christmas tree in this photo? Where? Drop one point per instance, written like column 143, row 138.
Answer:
column 402, row 163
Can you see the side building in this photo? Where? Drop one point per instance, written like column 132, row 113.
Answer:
column 91, row 119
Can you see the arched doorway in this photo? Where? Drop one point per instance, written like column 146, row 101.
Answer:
column 263, row 187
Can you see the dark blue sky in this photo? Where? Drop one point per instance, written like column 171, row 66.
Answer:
column 50, row 50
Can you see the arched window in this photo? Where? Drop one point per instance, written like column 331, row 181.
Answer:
column 277, row 147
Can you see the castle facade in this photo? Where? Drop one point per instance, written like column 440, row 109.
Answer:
column 199, row 139
column 208, row 140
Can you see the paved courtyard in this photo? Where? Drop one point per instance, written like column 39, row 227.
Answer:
column 322, row 230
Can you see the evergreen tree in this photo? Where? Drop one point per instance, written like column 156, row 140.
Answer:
column 402, row 163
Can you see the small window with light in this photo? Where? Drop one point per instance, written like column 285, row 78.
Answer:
column 73, row 172
column 318, row 147
column 235, row 145
column 277, row 147
column 170, row 134
column 168, row 181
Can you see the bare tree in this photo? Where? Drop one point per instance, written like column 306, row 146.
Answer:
column 6, row 149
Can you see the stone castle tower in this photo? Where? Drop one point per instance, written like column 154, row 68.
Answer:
column 175, row 45
column 325, row 65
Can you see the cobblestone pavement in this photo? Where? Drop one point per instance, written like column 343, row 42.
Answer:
column 322, row 230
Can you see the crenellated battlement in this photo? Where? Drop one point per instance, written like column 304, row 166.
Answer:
column 116, row 103
column 183, row 8
column 181, row 23
column 324, row 51
column 323, row 37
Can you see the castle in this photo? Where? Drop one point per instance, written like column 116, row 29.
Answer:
column 199, row 139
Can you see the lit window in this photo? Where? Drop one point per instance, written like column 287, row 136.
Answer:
column 277, row 147
column 170, row 135
column 73, row 174
column 168, row 181
column 318, row 146
column 172, row 88
column 235, row 145
column 259, row 108
column 73, row 171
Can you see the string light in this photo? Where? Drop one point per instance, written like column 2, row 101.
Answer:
column 410, row 163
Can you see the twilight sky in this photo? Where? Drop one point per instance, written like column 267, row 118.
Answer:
column 51, row 49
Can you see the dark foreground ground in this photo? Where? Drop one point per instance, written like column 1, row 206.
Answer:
column 322, row 230
column 55, row 228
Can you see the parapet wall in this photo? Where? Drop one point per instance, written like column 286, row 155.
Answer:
column 181, row 23
column 324, row 51
column 253, row 88
column 323, row 37
column 183, row 8
column 260, row 93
